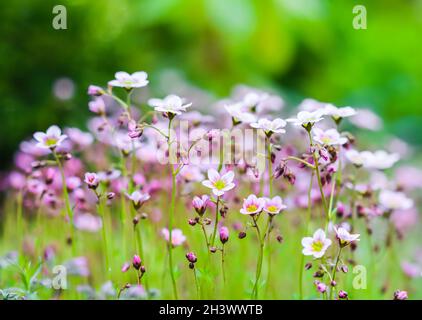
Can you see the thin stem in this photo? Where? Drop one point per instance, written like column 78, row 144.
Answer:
column 222, row 265
column 308, row 219
column 270, row 169
column 214, row 233
column 259, row 262
column 67, row 202
column 318, row 175
column 306, row 163
column 333, row 277
column 171, row 216
column 104, row 232
column 198, row 291
column 205, row 235
column 19, row 218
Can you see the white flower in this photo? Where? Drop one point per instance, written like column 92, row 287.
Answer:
column 219, row 184
column 238, row 114
column 392, row 200
column 344, row 237
column 305, row 118
column 51, row 139
column 338, row 113
column 316, row 245
column 125, row 80
column 355, row 157
column 367, row 119
column 380, row 159
column 329, row 137
column 171, row 104
column 274, row 126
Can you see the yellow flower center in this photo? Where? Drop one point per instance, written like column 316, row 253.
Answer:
column 317, row 246
column 50, row 141
column 219, row 185
column 272, row 208
column 252, row 208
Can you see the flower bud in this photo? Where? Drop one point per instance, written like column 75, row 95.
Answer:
column 280, row 238
column 213, row 249
column 400, row 295
column 192, row 222
column 125, row 267
column 308, row 266
column 344, row 269
column 136, row 262
column 224, row 234
column 111, row 195
column 342, row 294
column 242, row 234
column 143, row 269
column 333, row 283
column 191, row 265
column 191, row 257
column 321, row 287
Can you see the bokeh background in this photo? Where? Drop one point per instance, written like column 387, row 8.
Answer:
column 299, row 48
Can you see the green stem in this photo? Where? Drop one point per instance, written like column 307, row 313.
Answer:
column 19, row 218
column 104, row 233
column 270, row 169
column 333, row 277
column 222, row 265
column 214, row 233
column 318, row 175
column 308, row 219
column 260, row 258
column 170, row 242
column 67, row 202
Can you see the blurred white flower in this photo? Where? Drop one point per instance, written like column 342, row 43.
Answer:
column 328, row 137
column 392, row 200
column 125, row 80
column 269, row 127
column 171, row 104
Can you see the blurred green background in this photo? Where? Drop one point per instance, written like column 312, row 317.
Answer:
column 301, row 48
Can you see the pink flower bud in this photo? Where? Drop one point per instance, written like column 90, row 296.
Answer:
column 125, row 267
column 224, row 234
column 321, row 287
column 191, row 257
column 136, row 262
column 342, row 294
column 400, row 295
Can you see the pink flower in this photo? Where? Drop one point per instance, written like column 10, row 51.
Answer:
column 219, row 184
column 316, row 245
column 177, row 237
column 73, row 183
column 51, row 139
column 252, row 205
column 274, row 205
column 95, row 90
column 125, row 80
column 97, row 106
column 17, row 180
column 91, row 179
column 88, row 222
column 200, row 204
column 138, row 198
